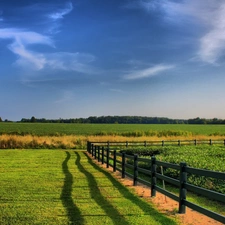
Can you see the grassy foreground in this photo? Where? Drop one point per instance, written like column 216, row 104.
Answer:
column 66, row 187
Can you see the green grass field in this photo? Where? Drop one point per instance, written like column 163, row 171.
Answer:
column 42, row 129
column 66, row 187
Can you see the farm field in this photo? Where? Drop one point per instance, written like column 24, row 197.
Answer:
column 75, row 136
column 66, row 187
column 160, row 130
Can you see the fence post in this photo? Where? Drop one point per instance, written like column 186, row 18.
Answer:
column 123, row 164
column 162, row 143
column 178, row 142
column 107, row 158
column 103, row 154
column 92, row 150
column 89, row 147
column 135, row 169
column 145, row 143
column 153, row 176
column 126, row 143
column 98, row 153
column 195, row 142
column 114, row 161
column 95, row 150
column 210, row 141
column 183, row 191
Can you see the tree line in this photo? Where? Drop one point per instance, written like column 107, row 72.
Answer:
column 123, row 120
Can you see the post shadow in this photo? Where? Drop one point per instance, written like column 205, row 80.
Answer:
column 145, row 207
column 108, row 208
column 73, row 213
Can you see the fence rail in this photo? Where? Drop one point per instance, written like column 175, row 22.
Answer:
column 129, row 166
column 110, row 144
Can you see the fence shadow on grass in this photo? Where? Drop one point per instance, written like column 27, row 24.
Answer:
column 73, row 213
column 125, row 193
column 95, row 192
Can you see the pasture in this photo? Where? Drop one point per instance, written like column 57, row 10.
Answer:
column 66, row 187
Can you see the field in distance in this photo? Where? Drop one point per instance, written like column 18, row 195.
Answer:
column 75, row 136
column 128, row 130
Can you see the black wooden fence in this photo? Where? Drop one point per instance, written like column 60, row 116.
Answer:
column 159, row 143
column 119, row 162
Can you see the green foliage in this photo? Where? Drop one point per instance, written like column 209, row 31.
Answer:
column 201, row 157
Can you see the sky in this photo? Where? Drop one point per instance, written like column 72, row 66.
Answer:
column 81, row 58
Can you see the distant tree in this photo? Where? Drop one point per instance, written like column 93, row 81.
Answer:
column 0, row 119
column 33, row 119
column 6, row 120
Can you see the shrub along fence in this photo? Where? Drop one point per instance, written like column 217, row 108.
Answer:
column 128, row 166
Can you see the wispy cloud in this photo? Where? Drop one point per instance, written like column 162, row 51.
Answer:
column 148, row 72
column 212, row 44
column 47, row 15
column 21, row 40
column 58, row 15
column 208, row 14
column 61, row 12
column 79, row 62
column 25, row 41
column 167, row 8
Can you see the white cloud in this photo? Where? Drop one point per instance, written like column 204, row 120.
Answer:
column 212, row 44
column 78, row 62
column 25, row 44
column 208, row 14
column 31, row 60
column 25, row 37
column 148, row 72
column 61, row 12
column 20, row 42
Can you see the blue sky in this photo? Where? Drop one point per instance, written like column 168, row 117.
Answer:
column 81, row 58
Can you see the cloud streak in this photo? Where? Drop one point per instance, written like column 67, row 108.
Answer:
column 24, row 41
column 62, row 12
column 212, row 44
column 208, row 14
column 21, row 40
column 78, row 62
column 148, row 72
column 32, row 60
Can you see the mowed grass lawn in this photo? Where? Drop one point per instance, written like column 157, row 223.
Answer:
column 66, row 187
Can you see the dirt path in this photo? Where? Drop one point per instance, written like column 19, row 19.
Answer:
column 164, row 204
